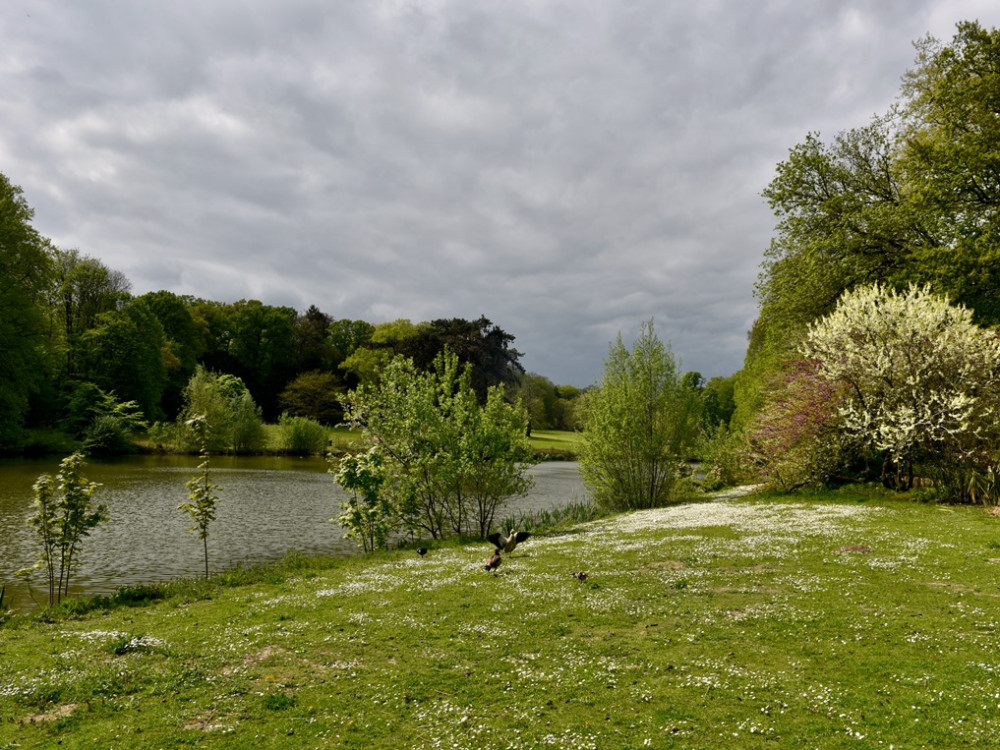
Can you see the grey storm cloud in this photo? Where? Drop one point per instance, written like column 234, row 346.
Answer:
column 568, row 169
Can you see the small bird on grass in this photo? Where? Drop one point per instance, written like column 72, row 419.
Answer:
column 507, row 544
column 493, row 561
column 421, row 551
column 580, row 575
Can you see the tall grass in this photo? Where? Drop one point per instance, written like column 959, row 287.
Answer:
column 549, row 519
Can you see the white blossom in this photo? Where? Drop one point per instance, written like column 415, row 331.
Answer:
column 920, row 375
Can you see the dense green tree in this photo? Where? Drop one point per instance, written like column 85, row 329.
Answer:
column 538, row 394
column 448, row 461
column 486, row 348
column 263, row 350
column 25, row 269
column 910, row 198
column 105, row 424
column 951, row 156
column 639, row 425
column 347, row 336
column 83, row 288
column 718, row 401
column 124, row 354
column 366, row 362
column 567, row 412
column 315, row 395
column 693, row 380
column 253, row 341
column 184, row 345
column 228, row 419
column 549, row 406
column 213, row 321
column 313, row 348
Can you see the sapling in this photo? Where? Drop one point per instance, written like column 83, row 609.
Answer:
column 65, row 515
column 367, row 514
column 201, row 498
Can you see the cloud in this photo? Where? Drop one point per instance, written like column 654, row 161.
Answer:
column 568, row 169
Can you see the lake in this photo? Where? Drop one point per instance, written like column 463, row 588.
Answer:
column 267, row 506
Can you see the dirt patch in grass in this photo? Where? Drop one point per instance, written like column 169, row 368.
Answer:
column 256, row 658
column 662, row 565
column 858, row 549
column 59, row 712
column 206, row 723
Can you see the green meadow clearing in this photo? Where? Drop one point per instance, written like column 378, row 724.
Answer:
column 840, row 620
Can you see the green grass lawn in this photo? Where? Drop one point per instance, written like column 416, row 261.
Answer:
column 832, row 621
column 556, row 442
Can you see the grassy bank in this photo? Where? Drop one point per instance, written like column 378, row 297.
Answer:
column 556, row 444
column 839, row 620
column 548, row 444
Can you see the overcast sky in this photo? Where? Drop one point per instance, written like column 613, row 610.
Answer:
column 568, row 169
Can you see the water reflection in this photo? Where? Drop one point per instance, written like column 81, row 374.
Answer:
column 267, row 506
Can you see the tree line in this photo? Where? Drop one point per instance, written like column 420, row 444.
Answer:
column 873, row 353
column 876, row 352
column 80, row 350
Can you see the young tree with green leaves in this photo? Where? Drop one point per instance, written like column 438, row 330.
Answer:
column 232, row 421
column 368, row 513
column 449, row 461
column 496, row 448
column 639, row 421
column 65, row 515
column 201, row 498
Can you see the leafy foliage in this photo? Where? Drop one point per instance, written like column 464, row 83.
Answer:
column 201, row 498
column 81, row 288
column 303, row 436
column 232, row 422
column 347, row 336
column 315, row 395
column 64, row 516
column 368, row 514
column 550, row 406
column 449, row 462
column 124, row 354
column 65, row 318
column 479, row 344
column 24, row 268
column 639, row 423
column 796, row 438
column 912, row 197
column 183, row 345
column 918, row 379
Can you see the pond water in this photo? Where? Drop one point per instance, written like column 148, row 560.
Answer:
column 267, row 506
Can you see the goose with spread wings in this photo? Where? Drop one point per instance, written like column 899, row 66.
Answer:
column 507, row 544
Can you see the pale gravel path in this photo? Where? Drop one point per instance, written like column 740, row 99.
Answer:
column 731, row 493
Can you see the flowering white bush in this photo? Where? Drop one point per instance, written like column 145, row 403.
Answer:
column 919, row 377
